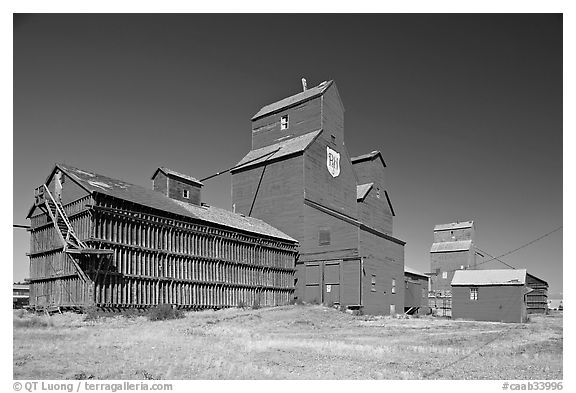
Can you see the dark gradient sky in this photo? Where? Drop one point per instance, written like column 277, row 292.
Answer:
column 466, row 109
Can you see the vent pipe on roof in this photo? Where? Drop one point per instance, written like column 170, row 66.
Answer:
column 304, row 86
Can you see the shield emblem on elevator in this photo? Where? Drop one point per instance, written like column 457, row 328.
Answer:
column 332, row 161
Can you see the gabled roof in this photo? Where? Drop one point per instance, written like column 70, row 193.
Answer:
column 538, row 279
column 170, row 172
column 362, row 190
column 490, row 277
column 462, row 245
column 293, row 100
column 367, row 157
column 277, row 150
column 414, row 272
column 454, row 225
column 95, row 183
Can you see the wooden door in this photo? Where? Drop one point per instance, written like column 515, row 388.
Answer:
column 331, row 283
column 312, row 293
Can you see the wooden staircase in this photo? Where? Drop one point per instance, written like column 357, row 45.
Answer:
column 73, row 246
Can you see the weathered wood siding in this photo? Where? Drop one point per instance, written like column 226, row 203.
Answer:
column 448, row 262
column 176, row 191
column 537, row 300
column 54, row 279
column 157, row 258
column 167, row 260
column 383, row 259
column 333, row 114
column 303, row 118
column 337, row 193
column 273, row 193
column 504, row 303
column 343, row 235
column 160, row 183
column 374, row 210
column 416, row 293
column 451, row 235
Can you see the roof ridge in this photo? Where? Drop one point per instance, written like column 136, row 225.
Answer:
column 116, row 188
column 277, row 150
column 294, row 99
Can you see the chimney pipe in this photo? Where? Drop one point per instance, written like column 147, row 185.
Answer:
column 304, row 87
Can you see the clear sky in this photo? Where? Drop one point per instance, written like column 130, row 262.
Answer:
column 466, row 109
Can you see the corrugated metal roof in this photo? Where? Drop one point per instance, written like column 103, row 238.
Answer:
column 461, row 245
column 169, row 171
column 293, row 100
column 96, row 183
column 490, row 277
column 277, row 150
column 414, row 271
column 454, row 225
column 362, row 190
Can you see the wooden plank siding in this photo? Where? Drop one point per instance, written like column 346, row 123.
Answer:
column 449, row 262
column 156, row 259
column 273, row 193
column 337, row 193
column 302, row 119
column 383, row 259
column 297, row 194
column 537, row 300
column 416, row 292
column 374, row 210
column 497, row 303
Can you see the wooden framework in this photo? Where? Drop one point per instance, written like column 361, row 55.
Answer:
column 158, row 258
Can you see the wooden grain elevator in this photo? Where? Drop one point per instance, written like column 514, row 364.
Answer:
column 299, row 178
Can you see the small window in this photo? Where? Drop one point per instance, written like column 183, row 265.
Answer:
column 324, row 237
column 444, row 275
column 284, row 122
column 186, row 194
column 373, row 283
column 393, row 285
column 473, row 293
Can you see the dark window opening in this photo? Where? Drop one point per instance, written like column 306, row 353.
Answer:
column 324, row 237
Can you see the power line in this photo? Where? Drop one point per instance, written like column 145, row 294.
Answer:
column 493, row 258
column 509, row 252
column 524, row 245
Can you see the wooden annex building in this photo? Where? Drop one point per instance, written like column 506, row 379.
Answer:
column 299, row 177
column 100, row 241
column 498, row 295
column 416, row 292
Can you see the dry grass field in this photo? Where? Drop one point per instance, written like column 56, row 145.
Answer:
column 291, row 342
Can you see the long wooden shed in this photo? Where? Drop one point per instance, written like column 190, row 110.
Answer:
column 101, row 241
